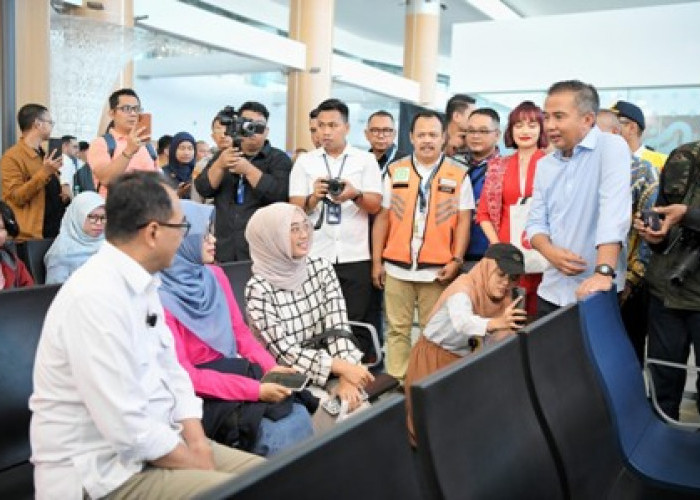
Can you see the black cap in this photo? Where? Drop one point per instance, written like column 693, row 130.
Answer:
column 509, row 258
column 630, row 111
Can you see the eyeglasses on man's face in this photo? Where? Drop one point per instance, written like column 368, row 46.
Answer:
column 183, row 226
column 480, row 131
column 126, row 109
column 381, row 131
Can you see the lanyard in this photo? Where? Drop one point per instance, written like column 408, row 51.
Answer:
column 328, row 169
column 422, row 186
column 389, row 158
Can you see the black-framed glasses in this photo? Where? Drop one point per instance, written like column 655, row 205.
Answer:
column 183, row 226
column 129, row 109
column 381, row 131
column 481, row 131
column 97, row 218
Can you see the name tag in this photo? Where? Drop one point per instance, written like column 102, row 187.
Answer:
column 401, row 174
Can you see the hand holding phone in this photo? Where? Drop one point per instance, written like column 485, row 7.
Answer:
column 293, row 381
column 651, row 219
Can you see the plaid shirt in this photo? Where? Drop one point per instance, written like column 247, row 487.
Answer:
column 283, row 319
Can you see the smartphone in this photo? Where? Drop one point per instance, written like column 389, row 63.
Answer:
column 55, row 144
column 293, row 381
column 651, row 219
column 518, row 292
column 145, row 123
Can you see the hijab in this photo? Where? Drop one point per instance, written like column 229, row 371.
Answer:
column 180, row 172
column 475, row 285
column 73, row 246
column 190, row 290
column 269, row 238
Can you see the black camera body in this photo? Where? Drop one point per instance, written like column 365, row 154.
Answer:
column 236, row 126
column 652, row 219
column 689, row 243
column 335, row 186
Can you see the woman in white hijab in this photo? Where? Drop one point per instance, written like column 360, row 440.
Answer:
column 80, row 236
column 292, row 299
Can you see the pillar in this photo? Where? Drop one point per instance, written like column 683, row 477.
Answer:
column 32, row 54
column 420, row 56
column 310, row 22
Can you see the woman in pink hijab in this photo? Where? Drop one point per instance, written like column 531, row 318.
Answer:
column 295, row 301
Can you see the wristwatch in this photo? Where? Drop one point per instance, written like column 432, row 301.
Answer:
column 605, row 270
column 357, row 196
column 458, row 260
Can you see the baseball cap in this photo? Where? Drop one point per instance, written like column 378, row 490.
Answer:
column 629, row 110
column 509, row 258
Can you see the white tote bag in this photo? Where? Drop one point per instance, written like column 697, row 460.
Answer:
column 534, row 261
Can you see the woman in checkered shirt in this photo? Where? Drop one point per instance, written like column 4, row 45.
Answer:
column 292, row 299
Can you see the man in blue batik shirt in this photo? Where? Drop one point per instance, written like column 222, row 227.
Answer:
column 580, row 213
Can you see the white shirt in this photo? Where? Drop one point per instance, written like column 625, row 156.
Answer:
column 466, row 202
column 68, row 170
column 349, row 240
column 108, row 389
column 455, row 323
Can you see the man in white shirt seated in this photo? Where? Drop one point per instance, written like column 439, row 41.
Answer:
column 114, row 413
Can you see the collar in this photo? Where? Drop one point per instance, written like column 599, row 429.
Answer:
column 30, row 151
column 477, row 163
column 117, row 136
column 417, row 163
column 386, row 153
column 264, row 151
column 589, row 141
column 136, row 277
column 640, row 151
column 348, row 150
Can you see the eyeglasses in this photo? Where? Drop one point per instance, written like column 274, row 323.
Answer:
column 481, row 131
column 183, row 226
column 129, row 109
column 97, row 218
column 381, row 131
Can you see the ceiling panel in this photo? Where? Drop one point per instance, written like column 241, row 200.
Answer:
column 530, row 8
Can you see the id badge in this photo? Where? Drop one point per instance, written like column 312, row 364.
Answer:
column 333, row 213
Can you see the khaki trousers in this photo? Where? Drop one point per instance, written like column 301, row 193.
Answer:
column 154, row 482
column 400, row 300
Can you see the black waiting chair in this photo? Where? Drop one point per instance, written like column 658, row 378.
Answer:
column 572, row 404
column 22, row 313
column 238, row 274
column 364, row 457
column 478, row 435
column 662, row 461
column 32, row 253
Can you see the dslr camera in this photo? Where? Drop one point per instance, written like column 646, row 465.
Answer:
column 335, row 186
column 238, row 127
column 688, row 243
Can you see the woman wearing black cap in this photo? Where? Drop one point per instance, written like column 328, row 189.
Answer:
column 476, row 308
column 14, row 273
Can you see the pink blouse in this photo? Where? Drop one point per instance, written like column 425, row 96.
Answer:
column 192, row 351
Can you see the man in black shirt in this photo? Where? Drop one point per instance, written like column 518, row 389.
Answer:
column 241, row 181
column 380, row 134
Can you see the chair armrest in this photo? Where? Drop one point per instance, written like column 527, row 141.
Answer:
column 652, row 391
column 375, row 340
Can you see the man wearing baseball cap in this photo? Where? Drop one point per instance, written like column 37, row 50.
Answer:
column 632, row 127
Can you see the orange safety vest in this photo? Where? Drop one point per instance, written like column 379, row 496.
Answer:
column 441, row 213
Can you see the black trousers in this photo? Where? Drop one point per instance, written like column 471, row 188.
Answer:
column 671, row 332
column 545, row 307
column 356, row 282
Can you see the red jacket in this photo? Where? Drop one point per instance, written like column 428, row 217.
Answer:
column 17, row 277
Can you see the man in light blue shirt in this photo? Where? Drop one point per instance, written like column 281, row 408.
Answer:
column 580, row 213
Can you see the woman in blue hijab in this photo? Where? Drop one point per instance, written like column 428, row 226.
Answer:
column 214, row 345
column 80, row 236
column 181, row 163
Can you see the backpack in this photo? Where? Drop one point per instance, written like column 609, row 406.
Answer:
column 83, row 180
column 112, row 145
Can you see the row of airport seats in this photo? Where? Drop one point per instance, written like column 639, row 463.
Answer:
column 32, row 254
column 558, row 411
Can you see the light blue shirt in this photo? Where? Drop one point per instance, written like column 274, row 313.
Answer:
column 582, row 202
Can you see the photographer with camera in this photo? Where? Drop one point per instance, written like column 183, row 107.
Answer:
column 246, row 174
column 339, row 185
column 673, row 233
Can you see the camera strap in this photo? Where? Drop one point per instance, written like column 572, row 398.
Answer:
column 425, row 186
column 328, row 168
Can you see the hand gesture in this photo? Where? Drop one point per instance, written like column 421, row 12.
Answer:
column 566, row 261
column 348, row 392
column 348, row 193
column 596, row 283
column 511, row 320
column 135, row 139
column 226, row 159
column 240, row 164
column 273, row 393
column 320, row 188
column 53, row 163
column 183, row 189
column 357, row 375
